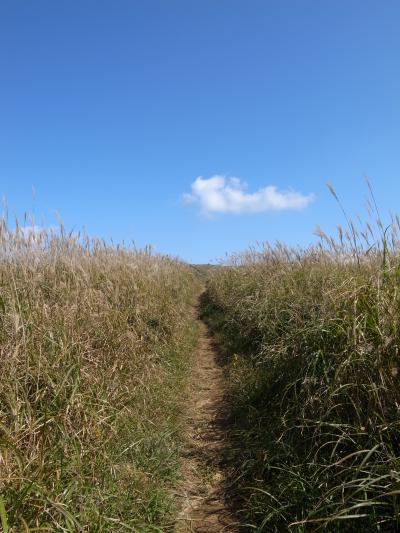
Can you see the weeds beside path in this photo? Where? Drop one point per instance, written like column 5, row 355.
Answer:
column 95, row 346
column 203, row 490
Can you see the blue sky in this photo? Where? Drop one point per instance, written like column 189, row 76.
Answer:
column 112, row 110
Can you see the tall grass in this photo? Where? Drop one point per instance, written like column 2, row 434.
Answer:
column 312, row 338
column 94, row 345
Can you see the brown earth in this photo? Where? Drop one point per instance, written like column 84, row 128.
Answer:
column 203, row 491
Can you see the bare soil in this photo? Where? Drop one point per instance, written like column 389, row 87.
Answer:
column 203, row 491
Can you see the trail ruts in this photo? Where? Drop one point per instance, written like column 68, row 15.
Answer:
column 203, row 491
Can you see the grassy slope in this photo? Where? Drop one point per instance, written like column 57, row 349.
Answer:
column 313, row 347
column 95, row 345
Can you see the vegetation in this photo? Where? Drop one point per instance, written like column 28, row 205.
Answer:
column 94, row 348
column 312, row 341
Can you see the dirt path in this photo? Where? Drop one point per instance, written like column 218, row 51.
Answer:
column 203, row 509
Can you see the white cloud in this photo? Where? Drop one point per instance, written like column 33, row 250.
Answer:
column 221, row 195
column 27, row 231
column 33, row 232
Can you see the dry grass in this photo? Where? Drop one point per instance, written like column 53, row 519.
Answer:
column 94, row 350
column 313, row 339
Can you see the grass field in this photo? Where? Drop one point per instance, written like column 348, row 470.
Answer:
column 95, row 348
column 97, row 345
column 312, row 343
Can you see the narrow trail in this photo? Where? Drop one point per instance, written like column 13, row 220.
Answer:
column 203, row 508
